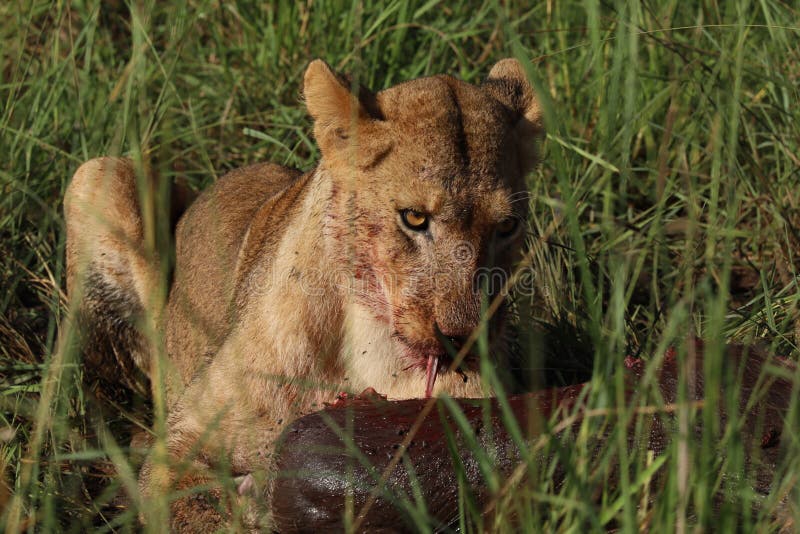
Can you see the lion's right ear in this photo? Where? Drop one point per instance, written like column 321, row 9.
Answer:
column 508, row 83
column 338, row 112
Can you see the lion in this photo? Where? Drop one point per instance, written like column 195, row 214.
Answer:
column 289, row 286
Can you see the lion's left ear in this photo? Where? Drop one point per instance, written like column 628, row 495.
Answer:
column 509, row 85
column 339, row 113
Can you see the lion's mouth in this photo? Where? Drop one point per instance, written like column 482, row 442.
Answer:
column 432, row 357
column 431, row 372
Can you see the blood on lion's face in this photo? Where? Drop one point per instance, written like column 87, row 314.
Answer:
column 429, row 201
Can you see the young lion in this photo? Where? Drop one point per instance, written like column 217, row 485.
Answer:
column 290, row 286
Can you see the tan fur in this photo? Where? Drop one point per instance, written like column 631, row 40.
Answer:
column 290, row 287
column 105, row 228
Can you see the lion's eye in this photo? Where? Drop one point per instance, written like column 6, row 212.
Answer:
column 507, row 227
column 415, row 220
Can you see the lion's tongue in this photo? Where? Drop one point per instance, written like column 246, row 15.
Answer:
column 430, row 375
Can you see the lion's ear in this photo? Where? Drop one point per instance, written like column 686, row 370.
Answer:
column 337, row 111
column 508, row 84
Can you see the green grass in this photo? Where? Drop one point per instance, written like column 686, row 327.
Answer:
column 671, row 173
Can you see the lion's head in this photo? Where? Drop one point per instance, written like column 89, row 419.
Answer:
column 429, row 200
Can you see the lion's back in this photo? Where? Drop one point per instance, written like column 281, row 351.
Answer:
column 208, row 240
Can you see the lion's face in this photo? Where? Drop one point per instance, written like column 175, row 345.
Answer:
column 426, row 256
column 429, row 204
